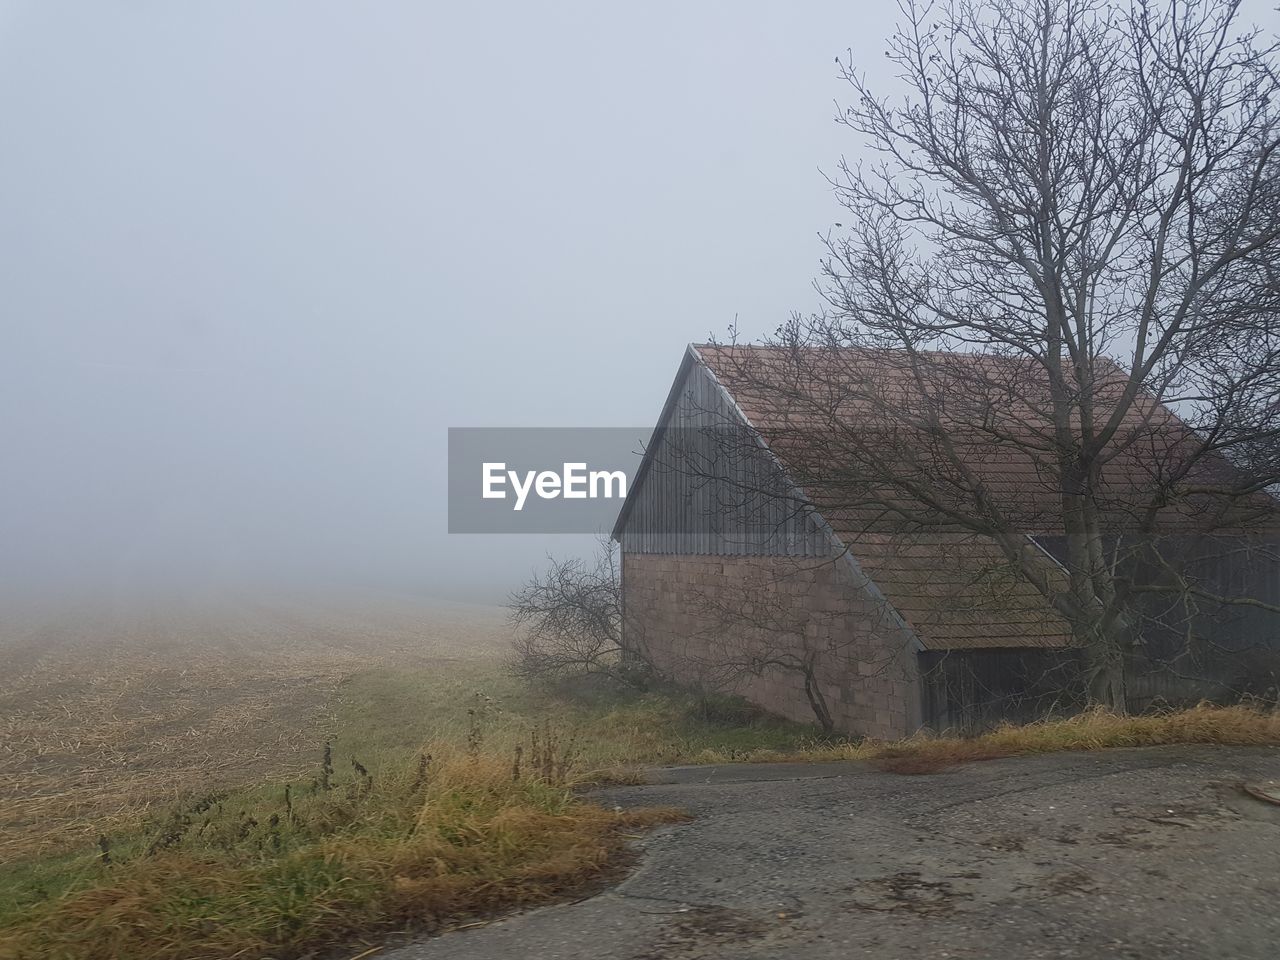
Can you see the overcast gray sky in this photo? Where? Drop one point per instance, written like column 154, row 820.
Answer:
column 256, row 257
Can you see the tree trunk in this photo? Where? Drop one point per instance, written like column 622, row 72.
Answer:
column 1106, row 685
column 1106, row 650
column 1094, row 622
column 816, row 700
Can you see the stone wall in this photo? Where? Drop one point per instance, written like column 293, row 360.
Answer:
column 709, row 621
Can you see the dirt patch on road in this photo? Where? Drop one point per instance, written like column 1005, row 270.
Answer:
column 907, row 891
column 695, row 930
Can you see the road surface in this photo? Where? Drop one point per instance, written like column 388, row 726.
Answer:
column 1145, row 853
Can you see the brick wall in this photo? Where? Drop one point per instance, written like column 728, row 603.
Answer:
column 700, row 619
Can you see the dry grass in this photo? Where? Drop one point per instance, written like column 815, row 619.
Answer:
column 1239, row 725
column 343, row 858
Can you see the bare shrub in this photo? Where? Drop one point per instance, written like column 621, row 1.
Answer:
column 569, row 623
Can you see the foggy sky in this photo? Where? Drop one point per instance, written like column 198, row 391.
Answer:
column 256, row 258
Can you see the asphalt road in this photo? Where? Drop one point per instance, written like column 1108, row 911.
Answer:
column 1150, row 853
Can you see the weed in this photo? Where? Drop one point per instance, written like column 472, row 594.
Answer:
column 421, row 767
column 365, row 783
column 551, row 758
column 324, row 781
column 477, row 717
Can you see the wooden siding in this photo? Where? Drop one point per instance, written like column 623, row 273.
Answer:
column 711, row 488
column 1192, row 647
column 969, row 691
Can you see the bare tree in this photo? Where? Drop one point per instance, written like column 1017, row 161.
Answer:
column 1085, row 193
column 569, row 622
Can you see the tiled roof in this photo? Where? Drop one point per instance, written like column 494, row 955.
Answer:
column 958, row 591
column 822, row 411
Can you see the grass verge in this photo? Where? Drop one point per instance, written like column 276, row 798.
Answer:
column 287, row 872
column 1239, row 725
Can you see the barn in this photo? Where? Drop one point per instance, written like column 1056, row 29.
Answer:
column 746, row 568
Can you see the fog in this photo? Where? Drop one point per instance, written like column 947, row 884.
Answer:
column 256, row 259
